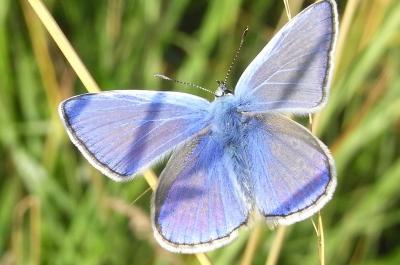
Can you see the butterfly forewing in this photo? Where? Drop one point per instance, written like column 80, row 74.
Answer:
column 292, row 72
column 122, row 132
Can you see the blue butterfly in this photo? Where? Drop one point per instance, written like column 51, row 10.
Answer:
column 231, row 158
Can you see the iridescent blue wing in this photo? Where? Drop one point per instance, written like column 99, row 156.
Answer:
column 293, row 70
column 293, row 175
column 123, row 132
column 198, row 205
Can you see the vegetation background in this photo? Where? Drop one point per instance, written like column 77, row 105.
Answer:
column 56, row 209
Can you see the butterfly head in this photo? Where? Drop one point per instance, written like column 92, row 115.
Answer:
column 222, row 90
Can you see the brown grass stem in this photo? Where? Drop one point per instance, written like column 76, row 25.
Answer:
column 319, row 229
column 29, row 204
column 344, row 28
column 251, row 246
column 276, row 246
column 64, row 45
column 287, row 8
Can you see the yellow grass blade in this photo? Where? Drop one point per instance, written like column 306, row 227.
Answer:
column 64, row 45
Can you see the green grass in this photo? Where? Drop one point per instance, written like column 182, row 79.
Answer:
column 56, row 209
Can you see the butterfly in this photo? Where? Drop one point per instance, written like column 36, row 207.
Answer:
column 232, row 158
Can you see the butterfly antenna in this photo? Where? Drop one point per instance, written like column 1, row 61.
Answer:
column 236, row 55
column 182, row 82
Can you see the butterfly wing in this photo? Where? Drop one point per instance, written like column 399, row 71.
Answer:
column 293, row 70
column 293, row 175
column 123, row 132
column 198, row 205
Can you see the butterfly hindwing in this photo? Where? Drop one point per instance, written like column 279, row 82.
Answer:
column 198, row 205
column 293, row 70
column 122, row 132
column 293, row 175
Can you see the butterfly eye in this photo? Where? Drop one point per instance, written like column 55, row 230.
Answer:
column 219, row 92
column 222, row 90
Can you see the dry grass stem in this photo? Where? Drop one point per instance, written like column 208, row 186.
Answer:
column 276, row 246
column 64, row 45
column 251, row 246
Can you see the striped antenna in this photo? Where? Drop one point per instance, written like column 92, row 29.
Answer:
column 236, row 55
column 182, row 82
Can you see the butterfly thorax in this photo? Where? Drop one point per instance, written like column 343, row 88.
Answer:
column 225, row 117
column 228, row 123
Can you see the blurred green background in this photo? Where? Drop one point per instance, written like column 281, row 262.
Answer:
column 56, row 209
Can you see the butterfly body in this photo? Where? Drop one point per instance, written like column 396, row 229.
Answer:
column 229, row 158
column 230, row 128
